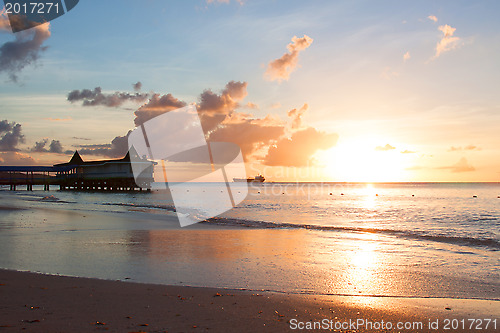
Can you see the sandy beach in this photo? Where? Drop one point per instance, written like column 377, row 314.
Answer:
column 46, row 303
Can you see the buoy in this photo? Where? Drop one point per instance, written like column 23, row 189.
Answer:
column 413, row 195
column 376, row 195
column 330, row 194
column 474, row 196
column 341, row 193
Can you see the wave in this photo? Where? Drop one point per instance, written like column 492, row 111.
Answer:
column 488, row 243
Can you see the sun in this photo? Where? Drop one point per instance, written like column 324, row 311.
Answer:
column 359, row 160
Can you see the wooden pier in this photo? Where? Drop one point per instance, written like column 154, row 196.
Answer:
column 77, row 175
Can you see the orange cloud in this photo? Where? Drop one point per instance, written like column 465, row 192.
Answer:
column 448, row 42
column 298, row 150
column 252, row 135
column 384, row 148
column 469, row 147
column 58, row 119
column 16, row 158
column 461, row 166
column 432, row 18
column 280, row 69
column 296, row 116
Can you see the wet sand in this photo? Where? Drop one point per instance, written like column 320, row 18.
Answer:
column 47, row 303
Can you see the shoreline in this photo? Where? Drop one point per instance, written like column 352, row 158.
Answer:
column 40, row 303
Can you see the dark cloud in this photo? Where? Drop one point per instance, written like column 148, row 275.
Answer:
column 55, row 147
column 156, row 106
column 214, row 108
column 96, row 97
column 10, row 136
column 298, row 150
column 137, row 86
column 24, row 50
column 118, row 148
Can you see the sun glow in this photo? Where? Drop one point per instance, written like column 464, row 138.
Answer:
column 360, row 161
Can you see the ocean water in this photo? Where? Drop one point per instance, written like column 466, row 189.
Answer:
column 405, row 239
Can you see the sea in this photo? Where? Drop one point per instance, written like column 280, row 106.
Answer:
column 371, row 239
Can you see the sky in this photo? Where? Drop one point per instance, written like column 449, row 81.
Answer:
column 310, row 90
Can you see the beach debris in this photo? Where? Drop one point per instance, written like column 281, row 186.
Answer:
column 128, row 317
column 194, row 326
column 31, row 321
column 331, row 193
column 341, row 193
column 217, row 295
column 49, row 198
column 474, row 196
column 144, row 325
column 279, row 315
column 447, row 308
column 100, row 323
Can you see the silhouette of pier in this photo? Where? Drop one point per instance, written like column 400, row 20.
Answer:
column 78, row 175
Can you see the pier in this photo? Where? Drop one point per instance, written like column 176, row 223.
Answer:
column 78, row 175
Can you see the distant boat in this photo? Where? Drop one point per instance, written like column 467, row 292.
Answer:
column 256, row 179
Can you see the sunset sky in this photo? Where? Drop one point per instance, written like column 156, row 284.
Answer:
column 309, row 90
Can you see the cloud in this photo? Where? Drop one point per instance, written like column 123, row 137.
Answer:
column 54, row 147
column 298, row 150
column 15, row 158
column 156, row 106
column 116, row 149
column 83, row 139
column 280, row 69
column 214, row 108
column 96, row 97
column 24, row 50
column 469, row 147
column 59, row 119
column 432, row 18
column 408, row 152
column 251, row 105
column 387, row 147
column 461, row 166
column 222, row 123
column 137, row 86
column 296, row 116
column 252, row 135
column 10, row 136
column 406, row 56
column 447, row 42
column 389, row 74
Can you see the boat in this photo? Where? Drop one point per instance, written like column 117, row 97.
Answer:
column 256, row 179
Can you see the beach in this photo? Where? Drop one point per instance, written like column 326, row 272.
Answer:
column 47, row 303
column 120, row 262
